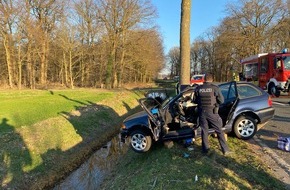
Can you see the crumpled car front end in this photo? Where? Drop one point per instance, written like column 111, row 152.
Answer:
column 139, row 119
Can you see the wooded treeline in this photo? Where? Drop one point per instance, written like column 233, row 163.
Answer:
column 250, row 27
column 84, row 43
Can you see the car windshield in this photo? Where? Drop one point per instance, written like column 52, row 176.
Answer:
column 150, row 103
column 165, row 101
column 197, row 77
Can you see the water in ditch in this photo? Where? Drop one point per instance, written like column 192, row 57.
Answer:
column 91, row 173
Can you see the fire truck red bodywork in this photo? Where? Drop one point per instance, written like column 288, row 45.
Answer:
column 270, row 70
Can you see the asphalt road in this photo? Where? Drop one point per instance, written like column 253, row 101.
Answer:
column 278, row 126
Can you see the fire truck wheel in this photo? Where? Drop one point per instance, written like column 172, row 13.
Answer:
column 272, row 90
column 277, row 93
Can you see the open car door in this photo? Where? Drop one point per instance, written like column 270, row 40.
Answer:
column 230, row 93
column 151, row 106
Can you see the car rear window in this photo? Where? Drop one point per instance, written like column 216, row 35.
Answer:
column 246, row 91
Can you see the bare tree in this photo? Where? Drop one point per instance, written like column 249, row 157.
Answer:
column 90, row 30
column 256, row 17
column 142, row 63
column 174, row 61
column 46, row 13
column 7, row 20
column 118, row 18
column 92, row 42
column 194, row 58
column 68, row 53
column 185, row 42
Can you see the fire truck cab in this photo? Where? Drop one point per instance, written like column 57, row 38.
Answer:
column 270, row 71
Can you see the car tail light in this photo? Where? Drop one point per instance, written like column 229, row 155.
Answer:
column 270, row 101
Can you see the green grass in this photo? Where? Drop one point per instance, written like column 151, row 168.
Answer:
column 46, row 134
column 27, row 107
column 163, row 168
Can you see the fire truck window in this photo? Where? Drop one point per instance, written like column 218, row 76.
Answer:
column 286, row 62
column 251, row 71
column 264, row 65
column 278, row 63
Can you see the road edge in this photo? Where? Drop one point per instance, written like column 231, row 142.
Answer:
column 281, row 165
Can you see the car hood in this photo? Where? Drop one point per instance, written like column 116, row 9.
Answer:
column 140, row 118
column 135, row 116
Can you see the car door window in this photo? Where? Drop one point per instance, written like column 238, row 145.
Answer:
column 246, row 91
column 230, row 98
column 228, row 91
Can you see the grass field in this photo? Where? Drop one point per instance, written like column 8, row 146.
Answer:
column 28, row 107
column 45, row 134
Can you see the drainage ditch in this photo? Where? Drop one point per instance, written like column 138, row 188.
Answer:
column 92, row 172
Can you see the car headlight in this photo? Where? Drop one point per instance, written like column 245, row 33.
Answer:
column 123, row 126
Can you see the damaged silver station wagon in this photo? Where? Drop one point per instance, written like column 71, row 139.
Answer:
column 245, row 110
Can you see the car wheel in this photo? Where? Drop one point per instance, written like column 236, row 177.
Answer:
column 140, row 141
column 245, row 127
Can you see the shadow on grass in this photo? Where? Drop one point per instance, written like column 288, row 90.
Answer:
column 11, row 167
column 96, row 124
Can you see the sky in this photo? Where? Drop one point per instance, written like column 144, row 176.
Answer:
column 204, row 15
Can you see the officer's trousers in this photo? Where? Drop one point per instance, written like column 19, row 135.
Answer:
column 208, row 119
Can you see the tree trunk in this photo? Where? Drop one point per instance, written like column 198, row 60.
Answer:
column 8, row 60
column 109, row 72
column 82, row 67
column 29, row 67
column 42, row 64
column 19, row 68
column 185, row 42
column 101, row 72
column 66, row 76
column 122, row 63
column 70, row 70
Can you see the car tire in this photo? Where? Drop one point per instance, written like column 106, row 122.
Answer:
column 140, row 142
column 245, row 127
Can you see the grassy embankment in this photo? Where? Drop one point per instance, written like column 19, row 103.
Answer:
column 46, row 134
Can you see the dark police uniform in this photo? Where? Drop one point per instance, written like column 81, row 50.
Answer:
column 208, row 97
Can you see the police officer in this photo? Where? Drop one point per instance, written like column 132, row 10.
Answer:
column 208, row 97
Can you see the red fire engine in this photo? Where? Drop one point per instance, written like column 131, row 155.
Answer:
column 271, row 71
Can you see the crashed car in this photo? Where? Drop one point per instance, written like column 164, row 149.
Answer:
column 245, row 110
